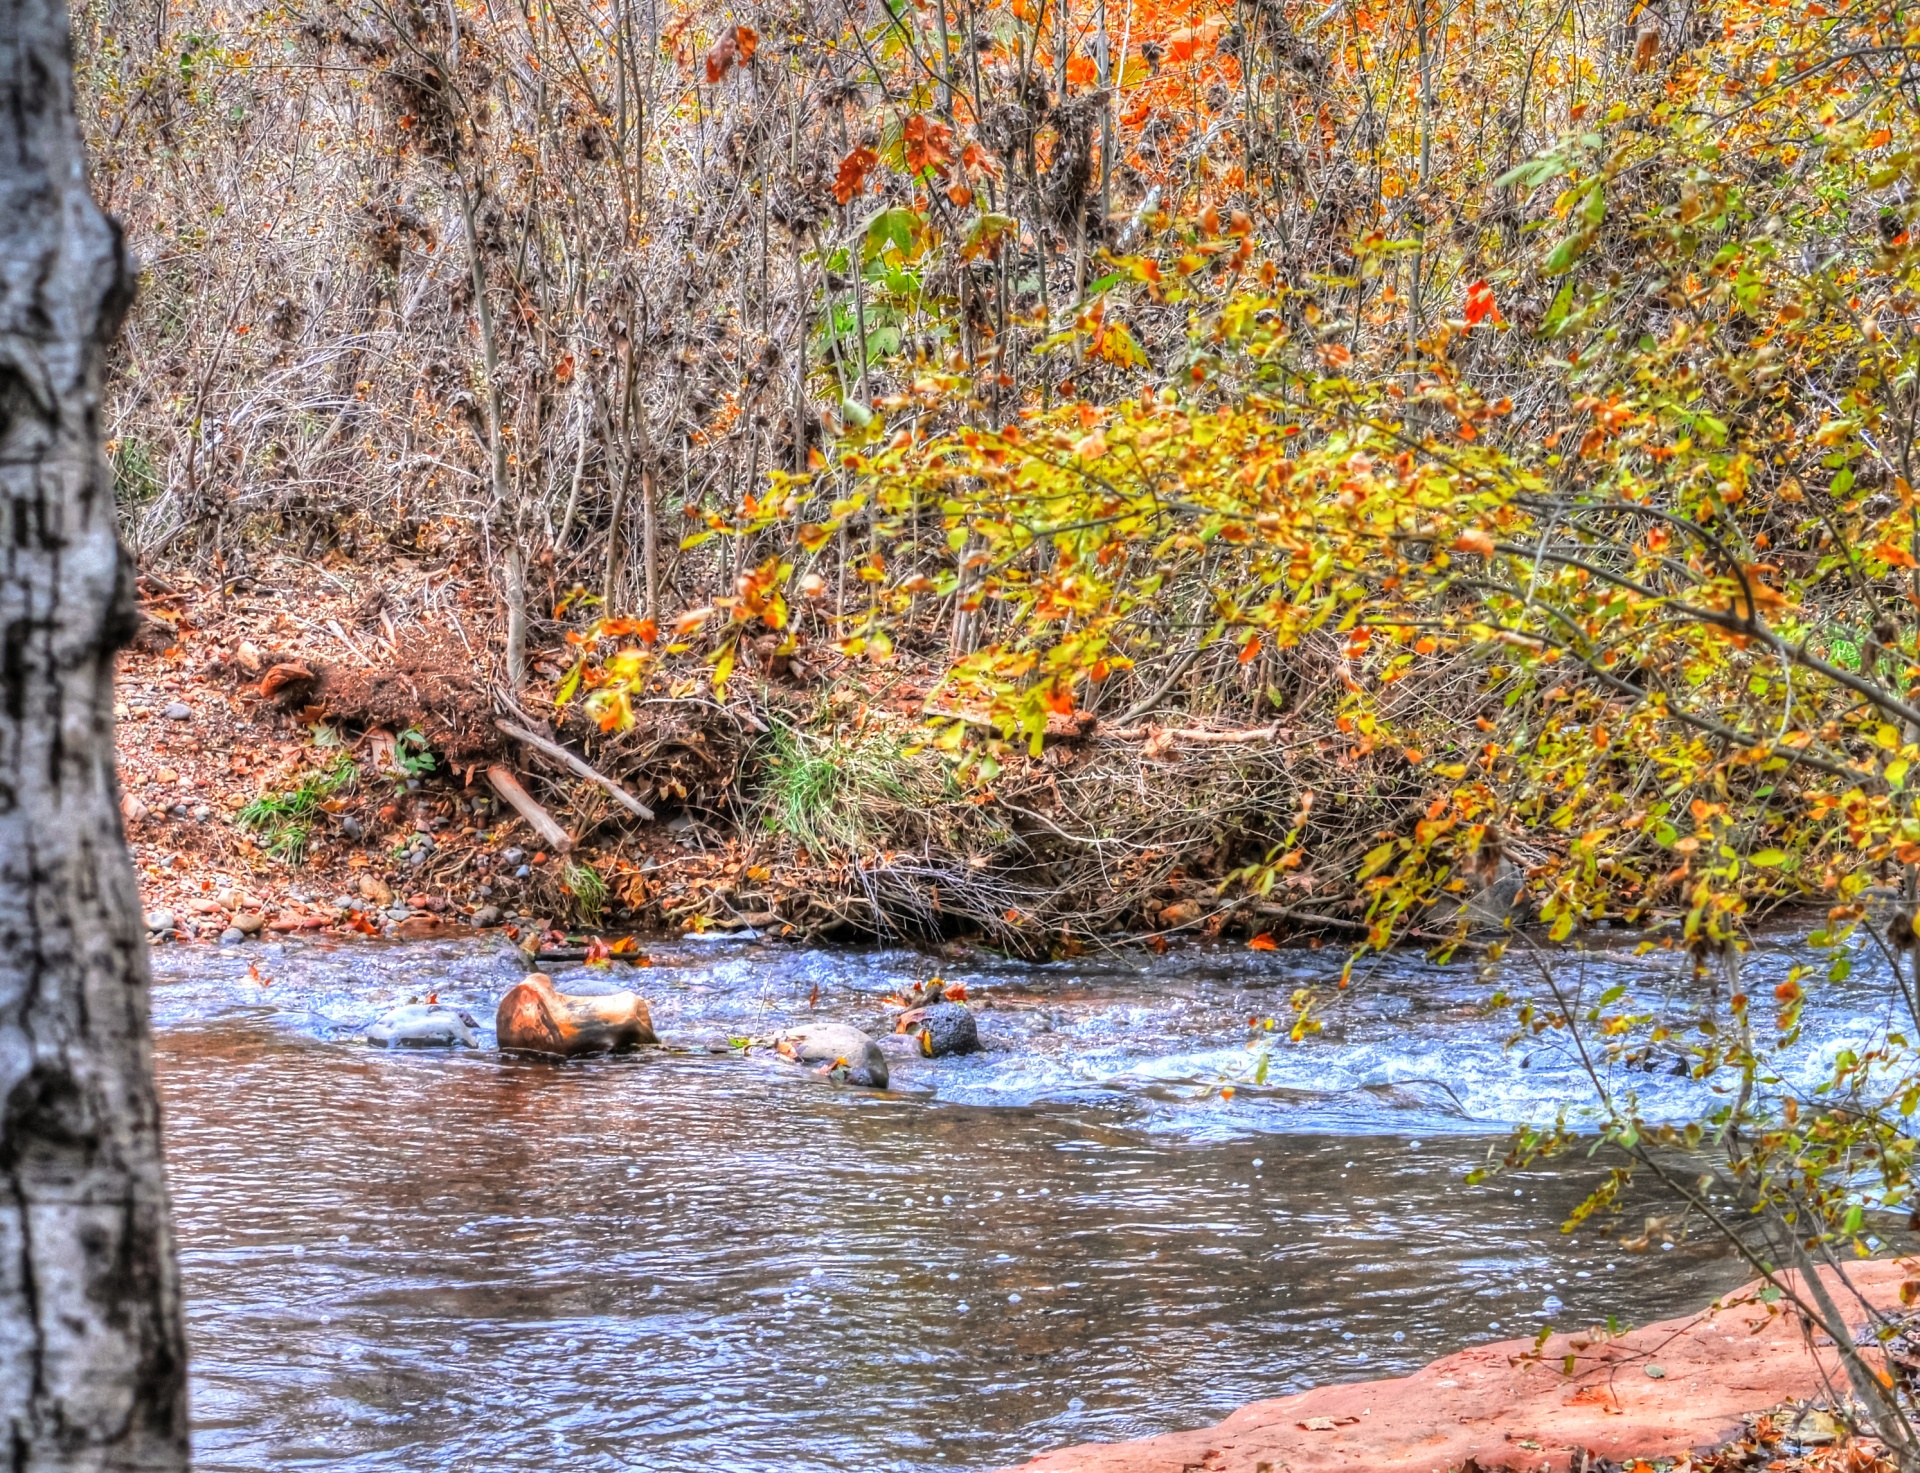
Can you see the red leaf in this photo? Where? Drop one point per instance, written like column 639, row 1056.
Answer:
column 1480, row 304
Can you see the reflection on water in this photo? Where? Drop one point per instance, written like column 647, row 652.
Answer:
column 688, row 1261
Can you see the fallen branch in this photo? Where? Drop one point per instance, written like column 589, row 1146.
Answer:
column 1267, row 911
column 579, row 768
column 521, row 801
column 1199, row 736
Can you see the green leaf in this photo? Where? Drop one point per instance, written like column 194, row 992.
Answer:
column 1593, row 209
column 1557, row 313
column 894, row 227
column 1560, row 260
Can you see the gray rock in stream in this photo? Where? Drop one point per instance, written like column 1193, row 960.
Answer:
column 424, row 1025
column 833, row 1048
column 941, row 1028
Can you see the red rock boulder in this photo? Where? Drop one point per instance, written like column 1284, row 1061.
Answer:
column 537, row 1018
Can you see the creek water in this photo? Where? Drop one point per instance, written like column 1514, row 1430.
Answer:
column 690, row 1260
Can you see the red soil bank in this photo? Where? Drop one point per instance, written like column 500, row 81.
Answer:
column 1501, row 1406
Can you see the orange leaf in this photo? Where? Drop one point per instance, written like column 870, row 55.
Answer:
column 1475, row 541
column 1897, row 557
column 746, row 41
column 690, row 621
column 926, row 143
column 1263, row 942
column 852, row 178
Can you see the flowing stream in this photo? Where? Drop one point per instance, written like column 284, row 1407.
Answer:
column 688, row 1259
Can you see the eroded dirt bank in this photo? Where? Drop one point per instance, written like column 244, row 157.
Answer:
column 1665, row 1390
column 319, row 746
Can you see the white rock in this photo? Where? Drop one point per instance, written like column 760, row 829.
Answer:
column 424, row 1025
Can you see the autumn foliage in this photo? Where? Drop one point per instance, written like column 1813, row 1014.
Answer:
column 1507, row 420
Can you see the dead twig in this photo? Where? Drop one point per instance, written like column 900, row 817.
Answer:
column 579, row 767
column 522, row 802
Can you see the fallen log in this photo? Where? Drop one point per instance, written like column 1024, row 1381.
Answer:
column 522, row 802
column 579, row 767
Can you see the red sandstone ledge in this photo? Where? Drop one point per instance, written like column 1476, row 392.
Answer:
column 1503, row 1406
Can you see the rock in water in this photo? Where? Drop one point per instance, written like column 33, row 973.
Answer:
column 835, row 1049
column 536, row 1018
column 424, row 1025
column 941, row 1028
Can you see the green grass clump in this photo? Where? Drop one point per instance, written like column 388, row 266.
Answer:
column 285, row 820
column 835, row 797
column 588, row 889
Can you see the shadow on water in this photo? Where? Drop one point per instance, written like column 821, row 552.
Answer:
column 689, row 1261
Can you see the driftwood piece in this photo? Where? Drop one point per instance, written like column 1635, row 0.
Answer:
column 522, row 802
column 579, row 767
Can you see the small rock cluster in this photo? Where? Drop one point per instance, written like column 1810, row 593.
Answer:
column 535, row 1017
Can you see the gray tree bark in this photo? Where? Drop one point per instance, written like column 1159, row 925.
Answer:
column 92, row 1352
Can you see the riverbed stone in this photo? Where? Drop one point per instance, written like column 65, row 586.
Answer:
column 940, row 1028
column 425, row 1025
column 232, row 936
column 1480, row 1407
column 487, row 915
column 179, row 711
column 536, row 1017
column 160, row 920
column 836, row 1049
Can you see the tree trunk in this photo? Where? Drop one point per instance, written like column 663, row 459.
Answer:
column 92, row 1352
